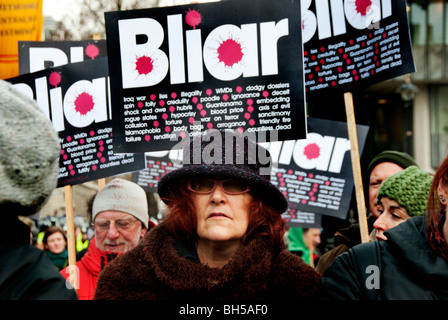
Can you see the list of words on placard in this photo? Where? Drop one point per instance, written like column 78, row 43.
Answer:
column 307, row 188
column 350, row 61
column 251, row 108
column 86, row 152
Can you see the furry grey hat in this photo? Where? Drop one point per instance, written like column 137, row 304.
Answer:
column 29, row 153
column 226, row 154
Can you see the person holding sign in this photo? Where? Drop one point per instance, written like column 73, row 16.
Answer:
column 120, row 220
column 413, row 262
column 380, row 168
column 223, row 236
column 29, row 154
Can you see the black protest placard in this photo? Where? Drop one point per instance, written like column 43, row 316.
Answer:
column 298, row 219
column 354, row 43
column 223, row 65
column 157, row 164
column 316, row 174
column 76, row 99
column 38, row 55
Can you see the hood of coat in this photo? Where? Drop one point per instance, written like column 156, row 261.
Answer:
column 249, row 264
column 409, row 245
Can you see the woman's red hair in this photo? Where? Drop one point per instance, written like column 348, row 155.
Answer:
column 264, row 220
column 434, row 205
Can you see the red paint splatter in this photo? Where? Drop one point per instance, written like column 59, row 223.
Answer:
column 312, row 151
column 54, row 78
column 84, row 103
column 363, row 6
column 193, row 18
column 144, row 65
column 230, row 52
column 92, row 51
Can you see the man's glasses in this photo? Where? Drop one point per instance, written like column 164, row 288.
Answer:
column 120, row 225
column 229, row 186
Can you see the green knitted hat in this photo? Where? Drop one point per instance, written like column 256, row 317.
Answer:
column 410, row 188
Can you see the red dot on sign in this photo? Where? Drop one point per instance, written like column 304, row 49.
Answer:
column 313, row 57
column 305, row 53
column 348, row 61
column 69, row 138
column 321, row 80
column 144, row 65
column 322, row 61
column 310, row 76
column 101, row 142
column 54, row 78
column 84, row 103
column 311, row 151
column 322, row 49
column 193, row 18
column 92, row 51
column 317, row 69
column 230, row 52
column 340, row 50
column 339, row 69
column 333, row 83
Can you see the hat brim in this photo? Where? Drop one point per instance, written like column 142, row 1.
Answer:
column 260, row 187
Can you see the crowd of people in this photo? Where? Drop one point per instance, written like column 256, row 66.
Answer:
column 223, row 236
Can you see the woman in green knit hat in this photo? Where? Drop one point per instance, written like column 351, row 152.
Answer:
column 402, row 196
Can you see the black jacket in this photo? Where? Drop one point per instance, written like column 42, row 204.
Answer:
column 26, row 272
column 402, row 268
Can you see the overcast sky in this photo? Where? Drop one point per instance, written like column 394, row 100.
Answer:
column 57, row 8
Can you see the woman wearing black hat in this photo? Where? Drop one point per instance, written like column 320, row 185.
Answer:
column 223, row 237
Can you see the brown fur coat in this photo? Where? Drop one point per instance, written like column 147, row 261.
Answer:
column 155, row 271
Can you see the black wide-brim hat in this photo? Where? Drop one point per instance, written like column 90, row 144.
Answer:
column 225, row 154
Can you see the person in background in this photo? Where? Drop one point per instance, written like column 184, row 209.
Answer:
column 405, row 264
column 29, row 154
column 223, row 237
column 55, row 245
column 380, row 168
column 402, row 196
column 120, row 220
column 303, row 242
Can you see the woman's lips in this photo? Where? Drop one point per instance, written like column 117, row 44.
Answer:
column 218, row 215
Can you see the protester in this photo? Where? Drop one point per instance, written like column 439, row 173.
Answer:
column 55, row 245
column 380, row 168
column 223, row 237
column 304, row 242
column 29, row 154
column 120, row 220
column 413, row 262
column 402, row 196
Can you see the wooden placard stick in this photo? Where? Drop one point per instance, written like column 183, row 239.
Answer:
column 356, row 166
column 71, row 245
column 101, row 183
